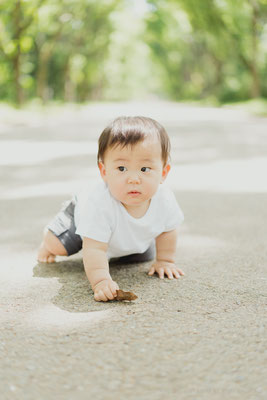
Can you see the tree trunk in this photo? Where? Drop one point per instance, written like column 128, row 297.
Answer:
column 18, row 88
column 69, row 86
column 17, row 57
column 45, row 54
column 43, row 61
column 256, row 86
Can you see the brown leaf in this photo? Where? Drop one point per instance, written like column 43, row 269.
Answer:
column 121, row 295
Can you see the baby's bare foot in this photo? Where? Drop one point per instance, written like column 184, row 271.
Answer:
column 45, row 255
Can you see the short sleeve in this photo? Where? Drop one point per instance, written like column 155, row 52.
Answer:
column 173, row 213
column 95, row 221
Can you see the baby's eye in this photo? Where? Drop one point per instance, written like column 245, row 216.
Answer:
column 121, row 168
column 145, row 169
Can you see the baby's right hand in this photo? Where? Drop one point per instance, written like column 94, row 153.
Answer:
column 105, row 290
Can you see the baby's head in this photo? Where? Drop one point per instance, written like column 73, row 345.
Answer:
column 128, row 131
column 133, row 158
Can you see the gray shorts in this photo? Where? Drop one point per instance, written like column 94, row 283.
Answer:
column 63, row 227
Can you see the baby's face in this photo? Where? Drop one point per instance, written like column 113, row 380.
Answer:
column 133, row 173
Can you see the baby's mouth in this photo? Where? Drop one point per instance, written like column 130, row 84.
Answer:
column 134, row 192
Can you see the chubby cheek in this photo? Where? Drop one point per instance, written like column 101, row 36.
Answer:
column 152, row 188
column 116, row 187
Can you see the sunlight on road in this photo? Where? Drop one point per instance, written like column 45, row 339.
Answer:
column 58, row 188
column 32, row 307
column 51, row 317
column 21, row 152
column 233, row 176
column 27, row 300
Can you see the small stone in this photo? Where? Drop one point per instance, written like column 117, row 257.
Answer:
column 121, row 295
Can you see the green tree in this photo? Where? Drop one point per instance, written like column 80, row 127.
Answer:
column 54, row 49
column 240, row 25
column 15, row 42
column 210, row 46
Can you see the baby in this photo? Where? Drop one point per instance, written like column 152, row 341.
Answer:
column 128, row 214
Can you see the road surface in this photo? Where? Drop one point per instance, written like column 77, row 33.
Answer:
column 202, row 337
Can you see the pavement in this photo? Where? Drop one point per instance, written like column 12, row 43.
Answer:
column 200, row 337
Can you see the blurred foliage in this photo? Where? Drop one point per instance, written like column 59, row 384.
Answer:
column 80, row 50
column 54, row 49
column 210, row 48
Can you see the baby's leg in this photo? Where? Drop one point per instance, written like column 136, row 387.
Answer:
column 60, row 238
column 50, row 248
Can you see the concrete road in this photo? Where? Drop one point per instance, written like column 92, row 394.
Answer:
column 202, row 337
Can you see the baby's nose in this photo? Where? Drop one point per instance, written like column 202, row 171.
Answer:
column 134, row 179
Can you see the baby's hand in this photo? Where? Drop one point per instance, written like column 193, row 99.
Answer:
column 105, row 290
column 165, row 267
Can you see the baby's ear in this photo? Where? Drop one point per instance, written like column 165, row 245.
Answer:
column 165, row 172
column 102, row 170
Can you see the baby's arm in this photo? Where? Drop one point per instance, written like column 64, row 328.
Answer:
column 165, row 262
column 97, row 269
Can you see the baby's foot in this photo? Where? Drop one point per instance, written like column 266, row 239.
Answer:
column 45, row 255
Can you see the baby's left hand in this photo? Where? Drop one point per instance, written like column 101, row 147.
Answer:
column 165, row 267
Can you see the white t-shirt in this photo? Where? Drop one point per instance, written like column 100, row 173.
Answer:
column 99, row 216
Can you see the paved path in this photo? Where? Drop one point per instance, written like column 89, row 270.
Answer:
column 202, row 337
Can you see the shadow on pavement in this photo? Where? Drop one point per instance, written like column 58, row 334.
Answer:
column 76, row 295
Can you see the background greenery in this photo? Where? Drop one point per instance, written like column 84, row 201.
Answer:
column 80, row 50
